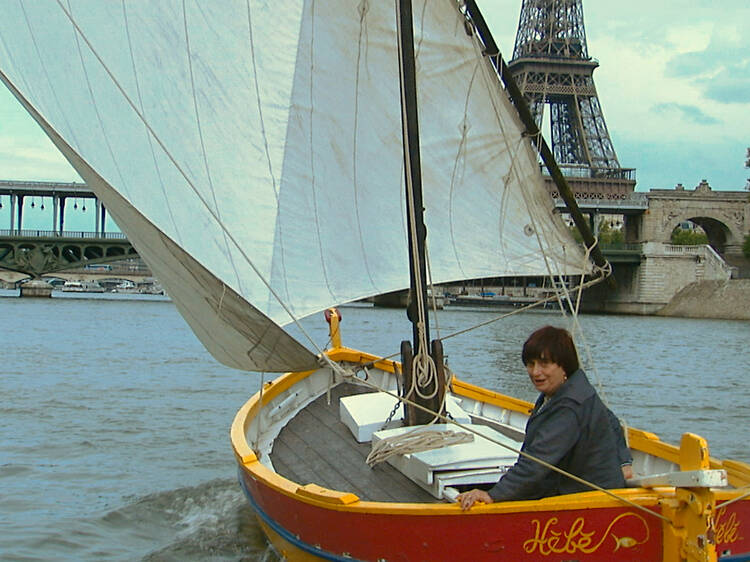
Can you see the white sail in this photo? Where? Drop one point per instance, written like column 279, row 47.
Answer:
column 252, row 152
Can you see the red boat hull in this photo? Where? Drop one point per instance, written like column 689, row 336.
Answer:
column 606, row 534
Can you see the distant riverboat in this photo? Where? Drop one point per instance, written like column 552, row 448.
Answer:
column 400, row 299
column 82, row 287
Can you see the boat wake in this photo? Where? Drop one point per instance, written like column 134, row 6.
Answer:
column 211, row 520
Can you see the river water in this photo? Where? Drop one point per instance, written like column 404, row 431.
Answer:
column 115, row 421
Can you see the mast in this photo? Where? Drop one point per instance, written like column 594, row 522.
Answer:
column 417, row 309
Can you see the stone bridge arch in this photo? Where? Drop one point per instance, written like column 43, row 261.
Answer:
column 723, row 215
column 718, row 232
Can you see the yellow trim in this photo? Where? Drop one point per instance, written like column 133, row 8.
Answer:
column 650, row 444
column 341, row 501
column 738, row 473
column 319, row 493
column 349, row 355
column 316, row 495
column 334, row 331
column 287, row 550
column 693, row 452
column 345, row 501
column 474, row 392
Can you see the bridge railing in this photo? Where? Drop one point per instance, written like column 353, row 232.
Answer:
column 713, row 257
column 585, row 171
column 714, row 261
column 632, row 201
column 25, row 233
column 683, row 250
column 621, row 247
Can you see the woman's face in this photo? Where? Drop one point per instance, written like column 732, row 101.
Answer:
column 547, row 376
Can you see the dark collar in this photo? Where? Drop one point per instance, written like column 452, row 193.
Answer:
column 576, row 388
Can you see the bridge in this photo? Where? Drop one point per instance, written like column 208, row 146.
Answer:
column 18, row 192
column 36, row 252
column 723, row 215
column 648, row 269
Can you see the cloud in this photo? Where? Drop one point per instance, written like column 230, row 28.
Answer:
column 688, row 112
column 23, row 160
column 723, row 67
column 687, row 65
column 731, row 85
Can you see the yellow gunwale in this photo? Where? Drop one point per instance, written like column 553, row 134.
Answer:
column 313, row 494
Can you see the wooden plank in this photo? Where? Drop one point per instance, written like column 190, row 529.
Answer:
column 316, row 447
column 349, row 457
column 323, row 464
column 290, row 465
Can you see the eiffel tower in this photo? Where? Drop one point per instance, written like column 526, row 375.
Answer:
column 551, row 66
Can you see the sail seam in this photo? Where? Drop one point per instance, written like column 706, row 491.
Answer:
column 363, row 9
column 266, row 148
column 94, row 104
column 46, row 74
column 195, row 190
column 199, row 126
column 311, row 144
column 460, row 155
column 148, row 136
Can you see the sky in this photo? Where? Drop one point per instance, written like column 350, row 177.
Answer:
column 673, row 84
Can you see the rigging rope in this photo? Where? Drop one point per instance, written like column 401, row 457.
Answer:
column 561, row 288
column 220, row 223
column 738, row 498
column 348, row 373
column 492, row 320
column 423, row 367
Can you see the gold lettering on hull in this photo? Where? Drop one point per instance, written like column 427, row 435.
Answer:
column 727, row 528
column 551, row 538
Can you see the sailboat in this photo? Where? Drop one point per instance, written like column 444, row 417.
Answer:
column 272, row 160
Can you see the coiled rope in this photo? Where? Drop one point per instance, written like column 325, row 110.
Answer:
column 419, row 439
column 348, row 374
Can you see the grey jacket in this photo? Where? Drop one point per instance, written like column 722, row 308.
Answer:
column 574, row 431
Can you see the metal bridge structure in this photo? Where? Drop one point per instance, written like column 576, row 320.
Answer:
column 553, row 69
column 36, row 252
column 648, row 269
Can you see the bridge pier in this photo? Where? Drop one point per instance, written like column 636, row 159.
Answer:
column 648, row 287
column 36, row 288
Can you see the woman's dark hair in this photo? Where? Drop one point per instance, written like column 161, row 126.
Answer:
column 551, row 344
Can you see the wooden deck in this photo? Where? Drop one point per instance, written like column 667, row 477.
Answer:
column 316, row 447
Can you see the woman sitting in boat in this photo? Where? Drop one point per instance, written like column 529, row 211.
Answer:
column 569, row 427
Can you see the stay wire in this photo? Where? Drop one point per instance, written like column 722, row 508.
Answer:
column 537, row 460
column 493, row 319
column 739, row 498
column 561, row 287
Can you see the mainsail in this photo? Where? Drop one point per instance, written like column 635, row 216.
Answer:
column 252, row 152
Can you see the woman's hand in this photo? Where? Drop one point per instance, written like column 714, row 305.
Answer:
column 467, row 499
